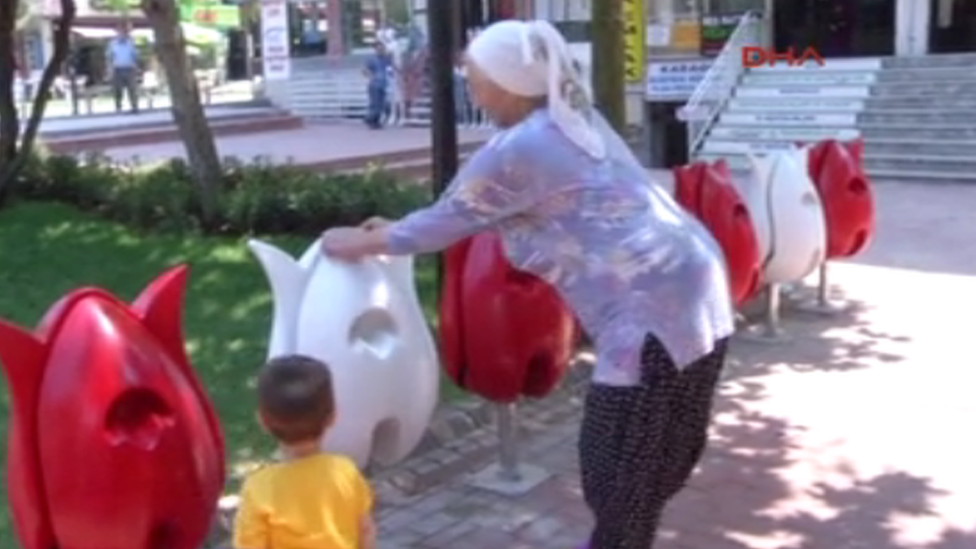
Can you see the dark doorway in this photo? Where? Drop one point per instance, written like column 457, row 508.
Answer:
column 955, row 30
column 668, row 135
column 835, row 28
column 237, row 68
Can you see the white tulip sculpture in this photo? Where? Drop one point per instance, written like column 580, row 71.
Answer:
column 789, row 221
column 364, row 320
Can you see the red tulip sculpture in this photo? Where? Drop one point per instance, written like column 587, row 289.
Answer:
column 707, row 192
column 113, row 443
column 837, row 171
column 504, row 333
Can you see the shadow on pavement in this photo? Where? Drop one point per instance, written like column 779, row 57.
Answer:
column 758, row 487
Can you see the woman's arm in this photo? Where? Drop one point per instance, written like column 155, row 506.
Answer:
column 491, row 187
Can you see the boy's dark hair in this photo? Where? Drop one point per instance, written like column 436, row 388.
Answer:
column 295, row 398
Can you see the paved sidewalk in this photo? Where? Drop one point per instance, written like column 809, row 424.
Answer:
column 59, row 125
column 855, row 433
column 315, row 143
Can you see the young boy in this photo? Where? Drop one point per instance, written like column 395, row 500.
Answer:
column 311, row 500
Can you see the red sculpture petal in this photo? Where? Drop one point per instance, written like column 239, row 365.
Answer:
column 687, row 186
column 24, row 358
column 160, row 306
column 707, row 192
column 837, row 171
column 518, row 336
column 450, row 323
column 124, row 449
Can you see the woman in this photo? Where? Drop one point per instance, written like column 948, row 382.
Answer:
column 648, row 283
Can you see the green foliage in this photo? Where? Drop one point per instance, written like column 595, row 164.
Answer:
column 256, row 198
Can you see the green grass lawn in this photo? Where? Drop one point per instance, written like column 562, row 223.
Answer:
column 47, row 250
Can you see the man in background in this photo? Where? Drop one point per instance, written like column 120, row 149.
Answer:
column 123, row 57
column 378, row 74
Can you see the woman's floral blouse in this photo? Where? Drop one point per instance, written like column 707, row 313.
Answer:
column 619, row 250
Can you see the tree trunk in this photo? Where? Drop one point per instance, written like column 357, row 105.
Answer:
column 608, row 48
column 191, row 120
column 9, row 123
column 12, row 157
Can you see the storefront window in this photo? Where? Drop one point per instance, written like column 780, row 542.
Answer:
column 562, row 10
column 732, row 6
column 309, row 27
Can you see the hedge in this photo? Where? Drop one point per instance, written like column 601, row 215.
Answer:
column 254, row 198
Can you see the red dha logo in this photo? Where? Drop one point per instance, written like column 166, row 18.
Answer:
column 755, row 56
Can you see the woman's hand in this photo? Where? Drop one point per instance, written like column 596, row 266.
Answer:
column 352, row 243
column 374, row 223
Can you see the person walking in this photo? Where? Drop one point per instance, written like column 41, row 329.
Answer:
column 124, row 60
column 377, row 72
column 647, row 281
column 462, row 103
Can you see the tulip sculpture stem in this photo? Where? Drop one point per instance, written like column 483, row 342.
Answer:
column 509, row 476
column 508, row 435
column 769, row 330
column 822, row 305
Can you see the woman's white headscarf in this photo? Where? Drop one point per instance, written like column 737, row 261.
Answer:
column 531, row 59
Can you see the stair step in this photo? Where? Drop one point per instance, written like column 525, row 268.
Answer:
column 824, row 104
column 920, row 101
column 848, row 92
column 881, row 175
column 834, row 64
column 877, row 147
column 907, row 116
column 927, row 131
column 903, row 74
column 758, row 118
column 962, row 60
column 852, row 104
column 756, row 133
column 809, row 78
column 960, row 88
column 935, row 147
column 921, row 163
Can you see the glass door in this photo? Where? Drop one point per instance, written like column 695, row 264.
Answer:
column 835, row 28
column 952, row 26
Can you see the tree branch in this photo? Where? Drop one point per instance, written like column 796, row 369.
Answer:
column 62, row 47
column 9, row 121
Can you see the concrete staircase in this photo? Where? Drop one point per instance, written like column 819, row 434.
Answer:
column 322, row 88
column 917, row 115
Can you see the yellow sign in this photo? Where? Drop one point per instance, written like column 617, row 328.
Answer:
column 635, row 26
column 686, row 36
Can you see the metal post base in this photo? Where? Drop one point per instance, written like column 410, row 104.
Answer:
column 508, row 476
column 495, row 479
column 821, row 304
column 769, row 330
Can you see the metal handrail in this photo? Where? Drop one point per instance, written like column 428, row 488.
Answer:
column 714, row 91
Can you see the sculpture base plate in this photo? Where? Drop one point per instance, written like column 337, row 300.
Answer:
column 493, row 479
column 762, row 333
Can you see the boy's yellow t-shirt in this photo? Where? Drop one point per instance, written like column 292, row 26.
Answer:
column 315, row 502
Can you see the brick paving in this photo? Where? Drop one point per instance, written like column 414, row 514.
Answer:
column 854, row 433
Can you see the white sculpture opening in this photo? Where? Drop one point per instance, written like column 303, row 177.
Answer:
column 365, row 321
column 788, row 215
